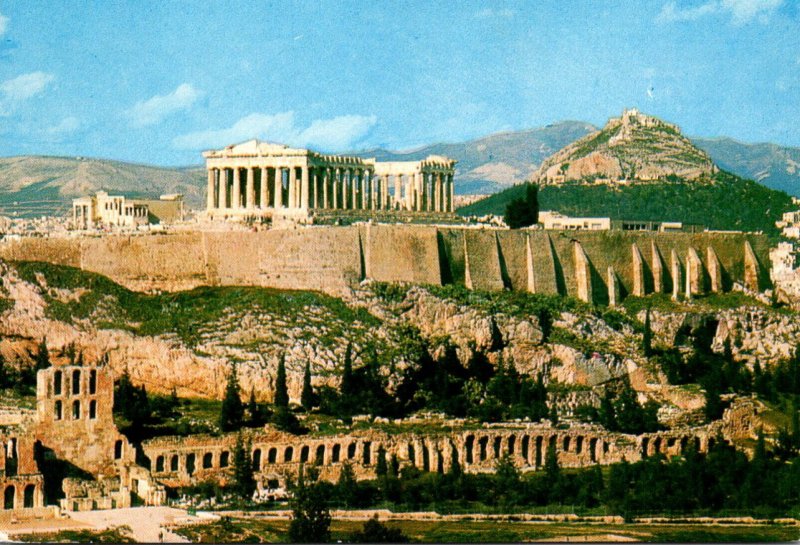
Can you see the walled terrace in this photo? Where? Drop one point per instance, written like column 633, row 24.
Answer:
column 181, row 461
column 600, row 267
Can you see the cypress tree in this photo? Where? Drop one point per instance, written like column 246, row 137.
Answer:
column 244, row 482
column 42, row 359
column 311, row 519
column 647, row 336
column 281, row 391
column 307, row 397
column 231, row 413
column 253, row 409
column 3, row 373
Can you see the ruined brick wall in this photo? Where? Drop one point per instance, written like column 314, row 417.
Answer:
column 74, row 406
column 178, row 461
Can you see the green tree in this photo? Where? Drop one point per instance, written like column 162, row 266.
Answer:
column 311, row 519
column 347, row 486
column 647, row 336
column 524, row 211
column 4, row 383
column 281, row 390
column 231, row 414
column 376, row 532
column 307, row 397
column 244, row 483
column 42, row 358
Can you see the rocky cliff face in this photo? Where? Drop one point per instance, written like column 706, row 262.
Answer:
column 578, row 350
column 633, row 147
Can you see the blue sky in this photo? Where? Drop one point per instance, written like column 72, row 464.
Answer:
column 157, row 82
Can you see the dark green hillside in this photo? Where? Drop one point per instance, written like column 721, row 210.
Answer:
column 726, row 203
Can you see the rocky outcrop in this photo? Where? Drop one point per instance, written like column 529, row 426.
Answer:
column 633, row 147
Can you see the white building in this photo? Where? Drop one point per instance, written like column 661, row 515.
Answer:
column 116, row 211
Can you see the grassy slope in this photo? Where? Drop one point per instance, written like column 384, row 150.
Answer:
column 186, row 313
column 730, row 203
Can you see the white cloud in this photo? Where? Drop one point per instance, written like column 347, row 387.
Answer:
column 333, row 134
column 3, row 24
column 19, row 89
column 66, row 126
column 25, row 86
column 740, row 11
column 155, row 109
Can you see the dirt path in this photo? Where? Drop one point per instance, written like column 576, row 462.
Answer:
column 146, row 523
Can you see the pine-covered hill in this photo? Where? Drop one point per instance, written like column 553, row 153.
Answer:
column 723, row 201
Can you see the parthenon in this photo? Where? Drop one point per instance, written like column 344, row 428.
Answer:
column 259, row 179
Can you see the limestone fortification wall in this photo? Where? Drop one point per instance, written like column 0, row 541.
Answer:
column 333, row 259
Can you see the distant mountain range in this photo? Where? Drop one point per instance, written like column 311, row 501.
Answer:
column 37, row 185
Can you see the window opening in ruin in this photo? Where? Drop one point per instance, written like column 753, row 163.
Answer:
column 93, row 409
column 593, row 449
column 28, row 493
column 93, row 382
column 335, row 453
column 159, row 464
column 173, row 463
column 512, row 441
column 257, row 460
column 426, row 462
column 208, row 460
column 525, row 446
column 190, row 463
column 272, row 456
column 578, row 445
column 538, row 452
column 565, row 445
column 76, row 409
column 351, row 451
column 439, row 462
column 411, row 455
column 8, row 497
column 76, row 382
column 288, row 454
column 118, row 449
column 304, row 454
column 366, row 457
column 482, row 442
column 224, row 458
column 605, row 447
column 468, row 444
column 645, row 442
column 496, row 446
column 57, row 380
column 657, row 445
column 320, row 457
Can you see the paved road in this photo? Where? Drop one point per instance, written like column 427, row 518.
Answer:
column 146, row 523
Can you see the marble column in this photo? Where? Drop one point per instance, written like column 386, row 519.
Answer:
column 292, row 187
column 278, row 196
column 223, row 188
column 355, row 189
column 210, row 193
column 452, row 195
column 304, row 188
column 373, row 191
column 237, row 189
column 250, row 198
column 335, row 187
column 263, row 201
column 326, row 178
column 437, row 195
column 418, row 183
column 315, row 187
column 386, row 203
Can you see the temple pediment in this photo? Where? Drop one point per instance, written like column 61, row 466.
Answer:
column 254, row 148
